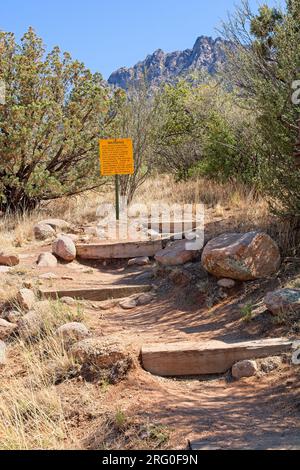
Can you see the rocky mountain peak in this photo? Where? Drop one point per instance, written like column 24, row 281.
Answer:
column 161, row 67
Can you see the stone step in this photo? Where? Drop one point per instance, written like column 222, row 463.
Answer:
column 95, row 293
column 204, row 358
column 121, row 250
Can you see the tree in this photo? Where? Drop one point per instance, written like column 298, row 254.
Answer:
column 178, row 133
column 263, row 62
column 137, row 118
column 54, row 113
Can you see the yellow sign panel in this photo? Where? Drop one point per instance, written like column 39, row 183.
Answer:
column 116, row 157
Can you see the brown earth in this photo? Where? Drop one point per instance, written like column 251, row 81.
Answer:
column 259, row 412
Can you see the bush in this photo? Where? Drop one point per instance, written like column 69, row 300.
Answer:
column 54, row 113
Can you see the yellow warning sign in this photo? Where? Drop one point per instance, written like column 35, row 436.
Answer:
column 116, row 157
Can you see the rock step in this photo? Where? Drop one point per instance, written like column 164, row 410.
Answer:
column 119, row 250
column 203, row 358
column 96, row 293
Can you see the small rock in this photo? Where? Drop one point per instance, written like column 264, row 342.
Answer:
column 108, row 304
column 226, row 283
column 128, row 304
column 30, row 325
column 43, row 231
column 2, row 354
column 68, row 301
column 72, row 332
column 64, row 248
column 9, row 259
column 241, row 256
column 13, row 316
column 270, row 364
column 99, row 352
column 46, row 260
column 48, row 276
column 245, row 368
column 144, row 299
column 26, row 299
column 6, row 329
column 141, row 261
column 283, row 301
column 4, row 269
column 67, row 278
column 175, row 254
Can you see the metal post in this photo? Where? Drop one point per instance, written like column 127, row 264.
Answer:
column 117, row 197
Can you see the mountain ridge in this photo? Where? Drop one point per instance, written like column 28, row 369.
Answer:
column 159, row 67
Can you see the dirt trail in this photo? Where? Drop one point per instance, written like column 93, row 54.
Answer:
column 261, row 412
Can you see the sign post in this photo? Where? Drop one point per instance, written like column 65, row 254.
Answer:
column 116, row 158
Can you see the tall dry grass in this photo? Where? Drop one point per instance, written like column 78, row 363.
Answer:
column 248, row 209
column 31, row 412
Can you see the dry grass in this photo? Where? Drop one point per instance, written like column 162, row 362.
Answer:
column 31, row 412
column 248, row 210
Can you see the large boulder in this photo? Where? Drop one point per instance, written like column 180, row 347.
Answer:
column 64, row 248
column 175, row 254
column 43, row 231
column 56, row 224
column 9, row 259
column 241, row 256
column 72, row 332
column 99, row 352
column 26, row 299
column 283, row 301
column 2, row 354
column 6, row 329
column 47, row 260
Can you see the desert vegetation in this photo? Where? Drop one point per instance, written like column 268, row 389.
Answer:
column 72, row 365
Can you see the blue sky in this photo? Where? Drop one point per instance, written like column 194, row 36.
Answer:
column 106, row 35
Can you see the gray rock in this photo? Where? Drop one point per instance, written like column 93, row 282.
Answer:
column 64, row 248
column 30, row 326
column 144, row 299
column 176, row 253
column 72, row 332
column 100, row 352
column 68, row 301
column 226, row 283
column 56, row 224
column 141, row 261
column 6, row 329
column 47, row 260
column 283, row 301
column 241, row 256
column 246, row 368
column 26, row 299
column 43, row 231
column 128, row 304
